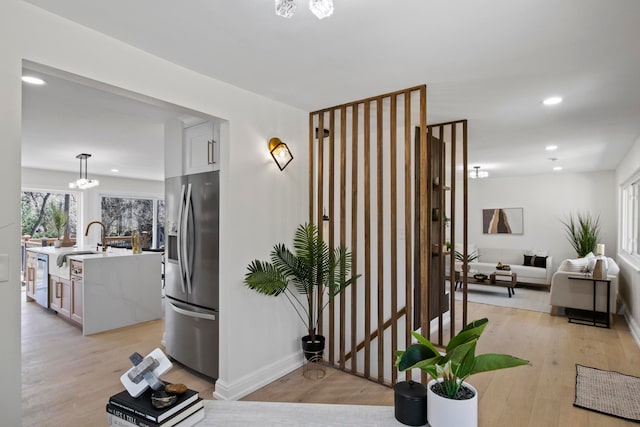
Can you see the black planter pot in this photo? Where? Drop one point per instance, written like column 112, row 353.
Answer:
column 410, row 401
column 313, row 350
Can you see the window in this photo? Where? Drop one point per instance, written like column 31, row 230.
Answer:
column 122, row 215
column 630, row 230
column 160, row 224
column 38, row 214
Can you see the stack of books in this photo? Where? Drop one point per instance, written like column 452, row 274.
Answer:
column 126, row 411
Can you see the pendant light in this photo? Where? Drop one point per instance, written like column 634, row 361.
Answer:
column 477, row 173
column 83, row 182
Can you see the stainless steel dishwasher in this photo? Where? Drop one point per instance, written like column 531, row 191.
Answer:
column 42, row 280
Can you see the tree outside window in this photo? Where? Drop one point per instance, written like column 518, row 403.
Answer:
column 122, row 215
column 38, row 212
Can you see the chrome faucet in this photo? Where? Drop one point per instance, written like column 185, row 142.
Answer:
column 104, row 233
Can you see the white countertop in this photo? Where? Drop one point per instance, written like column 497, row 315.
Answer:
column 111, row 252
column 274, row 414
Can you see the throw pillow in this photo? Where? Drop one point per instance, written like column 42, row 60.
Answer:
column 535, row 261
column 540, row 261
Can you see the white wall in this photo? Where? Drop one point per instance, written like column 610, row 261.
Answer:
column 546, row 200
column 630, row 267
column 259, row 204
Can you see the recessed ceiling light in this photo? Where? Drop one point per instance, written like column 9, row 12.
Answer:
column 557, row 168
column 115, row 170
column 552, row 101
column 33, row 80
column 551, row 147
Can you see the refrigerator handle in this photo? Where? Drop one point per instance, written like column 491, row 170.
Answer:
column 186, row 240
column 191, row 313
column 180, row 238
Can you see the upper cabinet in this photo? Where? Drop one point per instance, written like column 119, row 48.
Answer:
column 201, row 145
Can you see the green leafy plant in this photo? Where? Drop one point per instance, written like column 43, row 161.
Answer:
column 583, row 232
column 310, row 269
column 59, row 218
column 459, row 361
column 470, row 257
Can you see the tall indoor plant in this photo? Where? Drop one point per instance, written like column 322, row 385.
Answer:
column 59, row 218
column 583, row 232
column 309, row 270
column 451, row 401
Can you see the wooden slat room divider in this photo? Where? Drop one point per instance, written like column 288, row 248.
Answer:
column 365, row 168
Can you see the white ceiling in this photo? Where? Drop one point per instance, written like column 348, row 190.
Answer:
column 491, row 62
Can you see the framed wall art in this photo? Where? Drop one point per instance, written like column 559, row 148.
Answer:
column 503, row 221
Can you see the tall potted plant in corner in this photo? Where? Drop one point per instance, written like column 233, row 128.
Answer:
column 583, row 232
column 310, row 269
column 451, row 402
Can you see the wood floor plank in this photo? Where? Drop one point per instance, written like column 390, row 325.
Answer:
column 67, row 378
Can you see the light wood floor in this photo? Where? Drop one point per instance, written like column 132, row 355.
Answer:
column 67, row 378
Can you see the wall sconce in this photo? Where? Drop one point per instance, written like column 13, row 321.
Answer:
column 280, row 152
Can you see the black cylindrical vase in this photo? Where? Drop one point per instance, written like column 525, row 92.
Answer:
column 410, row 403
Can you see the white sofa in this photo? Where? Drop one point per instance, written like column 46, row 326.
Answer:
column 488, row 258
column 578, row 294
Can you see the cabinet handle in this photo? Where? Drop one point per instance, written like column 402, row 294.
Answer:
column 210, row 157
column 58, row 289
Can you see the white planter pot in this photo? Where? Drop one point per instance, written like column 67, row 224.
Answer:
column 443, row 412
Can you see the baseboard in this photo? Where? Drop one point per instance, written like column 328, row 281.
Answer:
column 634, row 327
column 236, row 390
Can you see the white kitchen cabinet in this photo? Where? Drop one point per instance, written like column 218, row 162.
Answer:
column 60, row 295
column 201, row 145
column 31, row 264
column 77, row 285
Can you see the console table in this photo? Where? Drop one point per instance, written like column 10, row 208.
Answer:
column 274, row 414
column 594, row 321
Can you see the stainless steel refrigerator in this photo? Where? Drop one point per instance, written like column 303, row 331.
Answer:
column 192, row 311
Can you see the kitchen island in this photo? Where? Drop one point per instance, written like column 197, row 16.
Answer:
column 101, row 291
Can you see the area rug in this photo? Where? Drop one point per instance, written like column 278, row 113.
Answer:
column 524, row 298
column 608, row 392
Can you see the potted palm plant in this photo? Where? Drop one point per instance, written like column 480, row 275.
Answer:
column 450, row 400
column 583, row 232
column 466, row 260
column 59, row 218
column 310, row 269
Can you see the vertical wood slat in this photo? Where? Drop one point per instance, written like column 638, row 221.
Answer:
column 407, row 221
column 452, row 213
column 393, row 233
column 311, row 166
column 320, row 204
column 425, row 232
column 465, row 204
column 367, row 240
column 417, row 258
column 380, row 236
column 332, row 314
column 354, row 235
column 343, row 225
column 440, row 266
